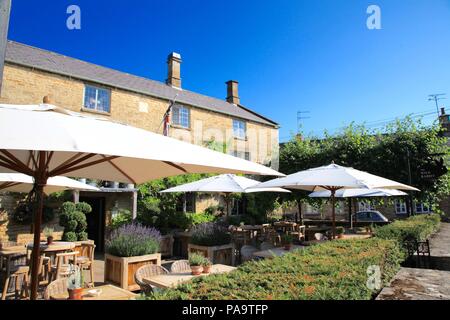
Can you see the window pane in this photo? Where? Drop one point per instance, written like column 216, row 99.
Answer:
column 181, row 116
column 239, row 129
column 90, row 98
column 97, row 99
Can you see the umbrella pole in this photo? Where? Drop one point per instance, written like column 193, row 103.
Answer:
column 40, row 180
column 333, row 211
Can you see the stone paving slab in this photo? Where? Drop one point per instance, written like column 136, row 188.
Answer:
column 425, row 284
column 418, row 284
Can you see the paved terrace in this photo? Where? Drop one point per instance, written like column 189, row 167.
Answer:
column 431, row 283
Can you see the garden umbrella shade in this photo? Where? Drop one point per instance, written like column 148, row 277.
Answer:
column 226, row 184
column 332, row 178
column 359, row 193
column 44, row 141
column 18, row 182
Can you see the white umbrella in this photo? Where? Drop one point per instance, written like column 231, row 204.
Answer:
column 332, row 178
column 359, row 193
column 225, row 183
column 44, row 141
column 18, row 182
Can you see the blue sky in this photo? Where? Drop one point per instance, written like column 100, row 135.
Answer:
column 315, row 55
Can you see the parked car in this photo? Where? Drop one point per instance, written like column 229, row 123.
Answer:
column 370, row 216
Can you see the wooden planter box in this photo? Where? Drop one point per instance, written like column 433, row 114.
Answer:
column 119, row 271
column 166, row 245
column 217, row 254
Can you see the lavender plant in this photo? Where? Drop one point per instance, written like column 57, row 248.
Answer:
column 133, row 240
column 210, row 234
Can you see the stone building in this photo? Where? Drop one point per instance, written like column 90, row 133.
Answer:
column 31, row 73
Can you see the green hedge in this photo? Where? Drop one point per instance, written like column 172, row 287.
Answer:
column 417, row 228
column 332, row 270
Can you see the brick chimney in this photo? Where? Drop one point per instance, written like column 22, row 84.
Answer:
column 174, row 74
column 232, row 92
column 444, row 120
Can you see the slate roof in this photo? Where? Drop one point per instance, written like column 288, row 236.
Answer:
column 28, row 56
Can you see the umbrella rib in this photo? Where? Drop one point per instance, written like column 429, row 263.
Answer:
column 49, row 158
column 16, row 166
column 175, row 166
column 68, row 169
column 120, row 170
column 32, row 158
column 70, row 163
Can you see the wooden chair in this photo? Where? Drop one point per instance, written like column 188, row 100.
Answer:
column 299, row 232
column 17, row 274
column 86, row 259
column 62, row 266
column 57, row 287
column 180, row 266
column 148, row 271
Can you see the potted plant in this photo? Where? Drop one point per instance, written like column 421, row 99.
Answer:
column 206, row 265
column 195, row 262
column 75, row 283
column 340, row 232
column 48, row 232
column 286, row 240
column 129, row 247
column 213, row 241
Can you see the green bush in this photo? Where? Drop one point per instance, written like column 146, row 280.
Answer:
column 123, row 217
column 334, row 270
column 210, row 234
column 73, row 219
column 24, row 214
column 417, row 228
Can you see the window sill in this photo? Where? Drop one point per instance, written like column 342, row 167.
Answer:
column 241, row 139
column 175, row 126
column 83, row 109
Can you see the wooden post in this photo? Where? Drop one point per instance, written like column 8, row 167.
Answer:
column 76, row 196
column 135, row 199
column 5, row 10
column 333, row 211
column 350, row 213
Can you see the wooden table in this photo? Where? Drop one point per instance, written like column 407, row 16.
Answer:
column 109, row 292
column 9, row 252
column 172, row 280
column 56, row 246
column 275, row 252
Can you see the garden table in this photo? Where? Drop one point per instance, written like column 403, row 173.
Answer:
column 275, row 252
column 108, row 292
column 171, row 280
column 55, row 247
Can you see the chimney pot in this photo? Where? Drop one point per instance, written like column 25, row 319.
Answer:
column 443, row 111
column 233, row 92
column 174, row 70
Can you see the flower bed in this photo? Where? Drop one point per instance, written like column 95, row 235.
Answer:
column 332, row 270
column 417, row 228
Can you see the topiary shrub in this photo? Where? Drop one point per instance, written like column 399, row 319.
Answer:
column 73, row 219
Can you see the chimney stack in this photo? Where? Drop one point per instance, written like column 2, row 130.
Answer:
column 232, row 92
column 174, row 74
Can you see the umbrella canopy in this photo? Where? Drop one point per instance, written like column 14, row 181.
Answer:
column 225, row 183
column 335, row 177
column 44, row 141
column 359, row 193
column 18, row 182
column 332, row 178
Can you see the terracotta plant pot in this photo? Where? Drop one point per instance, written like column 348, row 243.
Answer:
column 49, row 240
column 196, row 270
column 340, row 236
column 76, row 294
column 207, row 269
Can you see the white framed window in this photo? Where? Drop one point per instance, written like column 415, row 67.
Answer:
column 239, row 129
column 422, row 208
column 242, row 155
column 97, row 99
column 181, row 116
column 400, row 207
column 366, row 206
